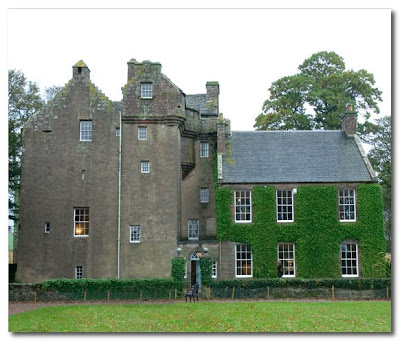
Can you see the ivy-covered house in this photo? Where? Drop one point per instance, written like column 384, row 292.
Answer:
column 122, row 189
column 306, row 199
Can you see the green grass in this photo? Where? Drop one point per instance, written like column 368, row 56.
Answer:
column 277, row 316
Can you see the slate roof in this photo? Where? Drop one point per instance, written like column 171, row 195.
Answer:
column 198, row 102
column 293, row 157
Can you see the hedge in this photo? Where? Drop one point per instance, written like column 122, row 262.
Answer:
column 316, row 231
column 100, row 289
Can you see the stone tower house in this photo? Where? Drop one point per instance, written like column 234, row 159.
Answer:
column 112, row 189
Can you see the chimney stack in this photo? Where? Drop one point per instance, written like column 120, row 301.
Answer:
column 212, row 100
column 80, row 70
column 349, row 122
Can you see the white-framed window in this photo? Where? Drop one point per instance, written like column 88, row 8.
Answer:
column 145, row 166
column 146, row 90
column 204, row 195
column 242, row 206
column 214, row 269
column 349, row 259
column 47, row 227
column 85, row 128
column 81, row 221
column 193, row 229
column 204, row 148
column 284, row 206
column 142, row 133
column 286, row 255
column 347, row 205
column 79, row 271
column 243, row 261
column 134, row 233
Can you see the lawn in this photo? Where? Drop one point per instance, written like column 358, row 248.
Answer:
column 277, row 316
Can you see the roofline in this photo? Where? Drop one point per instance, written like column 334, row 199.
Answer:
column 364, row 156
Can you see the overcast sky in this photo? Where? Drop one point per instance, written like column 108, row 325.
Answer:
column 245, row 50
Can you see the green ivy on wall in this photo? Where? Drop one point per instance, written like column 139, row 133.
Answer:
column 316, row 231
column 206, row 270
column 178, row 268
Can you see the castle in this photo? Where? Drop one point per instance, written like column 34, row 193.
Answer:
column 118, row 189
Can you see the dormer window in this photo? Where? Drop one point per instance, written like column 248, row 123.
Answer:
column 147, row 90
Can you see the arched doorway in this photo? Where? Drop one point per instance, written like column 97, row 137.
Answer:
column 195, row 272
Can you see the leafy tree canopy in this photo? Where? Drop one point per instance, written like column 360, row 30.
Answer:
column 317, row 96
column 23, row 101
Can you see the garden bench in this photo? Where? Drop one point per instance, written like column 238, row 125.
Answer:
column 193, row 292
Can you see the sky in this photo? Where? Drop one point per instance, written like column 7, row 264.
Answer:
column 244, row 49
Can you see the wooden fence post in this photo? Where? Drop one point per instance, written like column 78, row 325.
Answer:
column 268, row 292
column 108, row 295
column 84, row 296
column 233, row 292
column 333, row 292
column 34, row 296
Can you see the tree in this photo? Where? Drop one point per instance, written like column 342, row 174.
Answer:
column 23, row 101
column 322, row 86
column 50, row 93
column 379, row 137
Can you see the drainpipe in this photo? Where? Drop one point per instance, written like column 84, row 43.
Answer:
column 119, row 196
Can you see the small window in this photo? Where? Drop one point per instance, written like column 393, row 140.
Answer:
column 145, row 167
column 214, row 269
column 81, row 222
column 86, row 130
column 134, row 232
column 142, row 133
column 147, row 90
column 349, row 259
column 284, row 206
column 204, row 195
column 347, row 205
column 242, row 207
column 204, row 147
column 47, row 227
column 193, row 229
column 286, row 257
column 243, row 261
column 117, row 131
column 78, row 272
